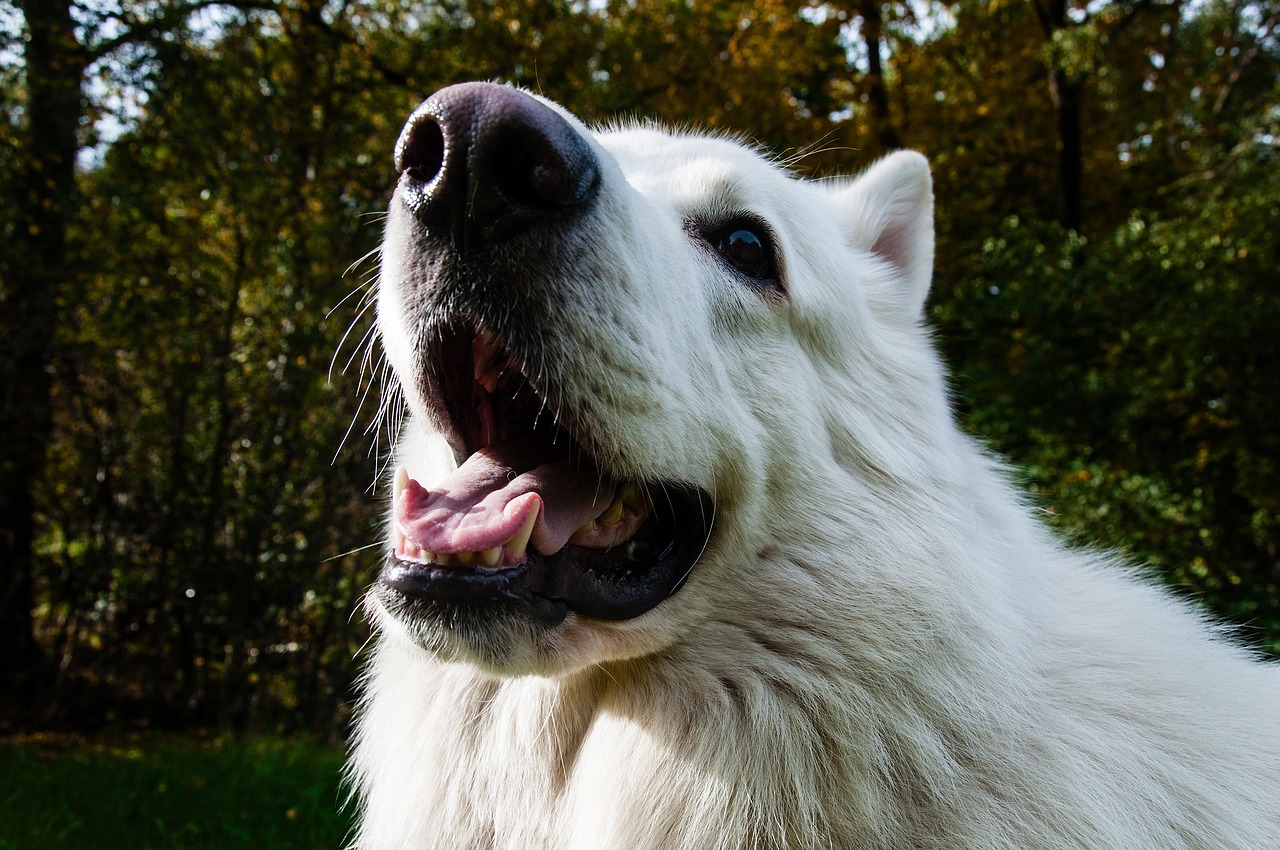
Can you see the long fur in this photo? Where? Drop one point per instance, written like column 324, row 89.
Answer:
column 881, row 647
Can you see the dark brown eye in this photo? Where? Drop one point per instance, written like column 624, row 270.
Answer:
column 746, row 246
column 745, row 251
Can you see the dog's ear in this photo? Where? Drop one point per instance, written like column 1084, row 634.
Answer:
column 889, row 211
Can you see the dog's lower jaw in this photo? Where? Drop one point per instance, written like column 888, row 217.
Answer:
column 497, row 645
column 513, row 647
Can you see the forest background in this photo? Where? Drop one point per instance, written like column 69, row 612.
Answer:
column 191, row 194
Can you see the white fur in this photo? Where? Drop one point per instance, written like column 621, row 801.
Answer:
column 880, row 648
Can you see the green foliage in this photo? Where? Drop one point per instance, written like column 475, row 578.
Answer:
column 1135, row 379
column 171, row 794
column 192, row 500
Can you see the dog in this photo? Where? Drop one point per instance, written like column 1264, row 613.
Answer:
column 686, row 551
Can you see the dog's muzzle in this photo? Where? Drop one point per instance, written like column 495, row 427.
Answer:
column 531, row 524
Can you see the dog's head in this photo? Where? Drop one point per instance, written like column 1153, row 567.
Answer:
column 617, row 349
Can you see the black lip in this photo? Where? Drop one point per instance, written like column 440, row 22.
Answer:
column 607, row 584
column 441, row 592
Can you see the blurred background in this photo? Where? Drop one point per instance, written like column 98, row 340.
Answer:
column 191, row 196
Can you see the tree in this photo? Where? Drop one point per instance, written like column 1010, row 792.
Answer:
column 1066, row 78
column 1127, row 373
column 196, row 529
column 37, row 284
column 41, row 278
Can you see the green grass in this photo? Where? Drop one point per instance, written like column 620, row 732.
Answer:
column 170, row 793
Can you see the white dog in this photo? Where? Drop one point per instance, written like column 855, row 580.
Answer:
column 687, row 551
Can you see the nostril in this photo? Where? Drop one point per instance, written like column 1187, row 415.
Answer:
column 420, row 154
column 537, row 168
column 511, row 169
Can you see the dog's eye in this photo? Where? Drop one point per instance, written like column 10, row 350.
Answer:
column 746, row 246
column 745, row 251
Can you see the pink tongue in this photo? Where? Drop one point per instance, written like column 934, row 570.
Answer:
column 487, row 500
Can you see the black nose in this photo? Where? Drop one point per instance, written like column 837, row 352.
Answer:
column 483, row 163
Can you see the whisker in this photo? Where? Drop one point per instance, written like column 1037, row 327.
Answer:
column 352, row 551
column 365, row 338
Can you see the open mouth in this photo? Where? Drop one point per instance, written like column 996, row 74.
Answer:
column 530, row 518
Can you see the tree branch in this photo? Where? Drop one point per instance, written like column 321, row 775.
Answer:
column 136, row 30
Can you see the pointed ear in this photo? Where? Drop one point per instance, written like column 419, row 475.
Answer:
column 889, row 212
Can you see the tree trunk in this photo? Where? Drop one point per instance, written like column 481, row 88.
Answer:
column 1066, row 95
column 877, row 94
column 36, row 279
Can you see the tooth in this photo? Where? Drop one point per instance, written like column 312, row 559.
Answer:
column 630, row 494
column 484, row 352
column 443, row 558
column 516, row 545
column 465, row 558
column 401, row 482
column 612, row 514
column 397, row 540
column 490, row 557
column 489, row 380
column 410, row 549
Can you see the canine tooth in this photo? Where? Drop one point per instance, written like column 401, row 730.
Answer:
column 612, row 514
column 628, row 497
column 397, row 540
column 631, row 496
column 484, row 353
column 401, row 482
column 517, row 544
column 490, row 557
column 489, row 380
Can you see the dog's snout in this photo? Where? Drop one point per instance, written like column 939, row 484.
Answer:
column 482, row 163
